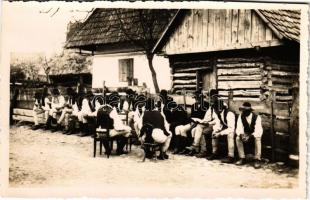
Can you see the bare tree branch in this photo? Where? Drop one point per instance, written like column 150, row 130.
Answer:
column 45, row 11
column 55, row 12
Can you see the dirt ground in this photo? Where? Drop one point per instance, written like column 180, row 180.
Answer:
column 44, row 159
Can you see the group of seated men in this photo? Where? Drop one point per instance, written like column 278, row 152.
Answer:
column 197, row 134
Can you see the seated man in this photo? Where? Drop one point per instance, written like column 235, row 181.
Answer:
column 198, row 110
column 70, row 112
column 107, row 117
column 225, row 127
column 160, row 133
column 42, row 105
column 204, row 126
column 88, row 114
column 178, row 118
column 58, row 102
column 135, row 116
column 249, row 125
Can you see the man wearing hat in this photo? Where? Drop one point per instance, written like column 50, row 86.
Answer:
column 70, row 110
column 198, row 110
column 225, row 126
column 204, row 127
column 88, row 113
column 249, row 125
column 42, row 105
column 58, row 102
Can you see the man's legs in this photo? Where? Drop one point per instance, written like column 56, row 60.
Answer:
column 258, row 151
column 36, row 112
column 231, row 149
column 240, row 148
column 196, row 133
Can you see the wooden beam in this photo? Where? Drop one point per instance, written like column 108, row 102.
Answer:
column 208, row 48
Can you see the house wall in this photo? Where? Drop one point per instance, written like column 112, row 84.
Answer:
column 106, row 68
column 268, row 81
column 219, row 29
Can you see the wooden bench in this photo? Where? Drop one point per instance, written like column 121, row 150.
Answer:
column 26, row 115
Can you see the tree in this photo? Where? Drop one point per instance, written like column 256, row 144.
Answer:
column 143, row 30
column 25, row 69
column 69, row 62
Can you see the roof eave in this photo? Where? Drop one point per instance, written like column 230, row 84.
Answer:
column 165, row 32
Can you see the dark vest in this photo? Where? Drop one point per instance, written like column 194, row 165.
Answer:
column 249, row 128
column 91, row 104
column 223, row 121
column 155, row 119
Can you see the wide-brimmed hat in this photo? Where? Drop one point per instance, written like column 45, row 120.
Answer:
column 213, row 92
column 89, row 93
column 55, row 91
column 246, row 106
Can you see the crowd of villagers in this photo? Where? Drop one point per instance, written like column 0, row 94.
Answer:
column 198, row 133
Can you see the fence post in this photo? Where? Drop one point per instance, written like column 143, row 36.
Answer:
column 272, row 99
column 230, row 97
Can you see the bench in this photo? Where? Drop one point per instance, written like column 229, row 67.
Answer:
column 26, row 115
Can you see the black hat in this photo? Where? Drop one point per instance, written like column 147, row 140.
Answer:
column 246, row 106
column 55, row 91
column 70, row 91
column 89, row 93
column 213, row 93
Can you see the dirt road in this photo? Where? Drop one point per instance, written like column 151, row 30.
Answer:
column 44, row 159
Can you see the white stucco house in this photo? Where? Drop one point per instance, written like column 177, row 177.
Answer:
column 117, row 61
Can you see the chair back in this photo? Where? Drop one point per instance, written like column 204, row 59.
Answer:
column 103, row 117
column 147, row 129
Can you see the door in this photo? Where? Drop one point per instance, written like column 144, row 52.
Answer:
column 208, row 80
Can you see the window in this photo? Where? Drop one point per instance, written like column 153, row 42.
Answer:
column 125, row 69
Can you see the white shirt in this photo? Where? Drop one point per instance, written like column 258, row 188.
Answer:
column 210, row 117
column 118, row 123
column 230, row 123
column 58, row 102
column 258, row 129
column 85, row 106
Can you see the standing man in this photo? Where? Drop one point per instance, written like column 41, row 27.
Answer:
column 249, row 125
column 225, row 127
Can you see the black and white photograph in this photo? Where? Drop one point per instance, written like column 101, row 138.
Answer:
column 160, row 100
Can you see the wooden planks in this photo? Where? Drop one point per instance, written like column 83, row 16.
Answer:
column 219, row 29
column 239, row 84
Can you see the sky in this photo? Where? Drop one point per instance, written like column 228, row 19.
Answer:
column 26, row 29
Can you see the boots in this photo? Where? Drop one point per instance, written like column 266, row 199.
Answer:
column 48, row 123
column 54, row 125
column 177, row 143
column 121, row 142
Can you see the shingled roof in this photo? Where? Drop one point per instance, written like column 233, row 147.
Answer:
column 286, row 22
column 103, row 26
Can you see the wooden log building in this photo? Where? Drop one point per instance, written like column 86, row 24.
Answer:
column 248, row 55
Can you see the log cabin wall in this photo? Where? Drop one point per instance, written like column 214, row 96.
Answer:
column 251, row 75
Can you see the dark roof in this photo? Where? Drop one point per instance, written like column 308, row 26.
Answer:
column 103, row 26
column 286, row 22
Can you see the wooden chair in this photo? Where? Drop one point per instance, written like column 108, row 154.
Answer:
column 100, row 136
column 149, row 145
